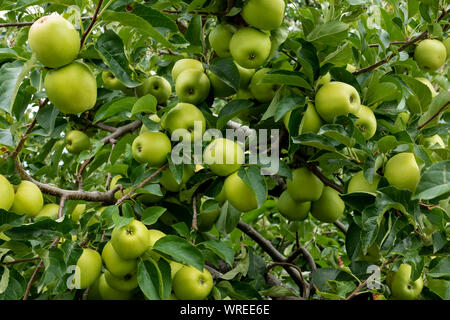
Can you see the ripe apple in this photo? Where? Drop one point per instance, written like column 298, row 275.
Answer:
column 219, row 39
column 223, row 156
column 239, row 194
column 264, row 14
column 7, row 192
column 220, row 88
column 28, row 199
column 329, row 207
column 250, row 48
column 304, row 186
column 311, row 121
column 263, row 92
column 413, row 102
column 169, row 183
column 89, row 267
column 130, row 241
column 185, row 116
column 153, row 236
column 152, row 148
column 174, row 268
column 72, row 88
column 184, row 64
column 111, row 82
column 192, row 86
column 77, row 141
column 291, row 209
column 50, row 210
column 127, row 282
column 358, row 183
column 157, row 86
column 402, row 171
column 78, row 211
column 116, row 265
column 54, row 40
column 367, row 122
column 402, row 287
column 336, row 98
column 245, row 75
column 108, row 293
column 192, row 284
column 430, row 54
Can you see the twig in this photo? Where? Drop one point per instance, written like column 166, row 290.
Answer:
column 19, row 261
column 283, row 264
column 194, row 216
column 61, row 206
column 91, row 24
column 434, row 116
column 340, row 226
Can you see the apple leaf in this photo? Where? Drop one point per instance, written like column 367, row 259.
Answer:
column 437, row 103
column 149, row 279
column 314, row 140
column 291, row 78
column 440, row 287
column 7, row 53
column 228, row 219
column 329, row 33
column 223, row 250
column 180, row 250
column 166, row 279
column 194, row 32
column 145, row 104
column 112, row 108
column 6, row 137
column 152, row 214
column 442, row 269
column 231, row 110
column 288, row 103
column 16, row 286
column 226, row 70
column 10, row 78
column 434, row 182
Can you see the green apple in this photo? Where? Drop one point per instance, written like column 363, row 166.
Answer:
column 329, row 207
column 77, row 141
column 413, row 102
column 174, row 268
column 192, row 86
column 7, row 192
column 358, row 183
column 304, row 186
column 149, row 198
column 209, row 212
column 402, row 171
column 89, row 267
column 291, row 209
column 72, row 88
column 221, row 197
column 446, row 43
column 430, row 54
column 245, row 75
column 157, row 86
column 169, row 183
column 130, row 241
column 402, row 119
column 78, row 211
column 311, row 121
column 433, row 142
column 153, row 236
column 111, row 82
column 250, row 48
column 402, row 287
column 264, row 14
column 239, row 194
column 184, row 64
column 326, row 78
column 186, row 116
column 263, row 92
column 118, row 266
column 367, row 122
column 54, row 40
column 223, row 156
column 336, row 98
column 127, row 282
column 192, row 284
column 154, row 118
column 50, row 210
column 108, row 293
column 28, row 199
column 152, row 148
column 220, row 88
column 94, row 293
column 244, row 94
column 219, row 39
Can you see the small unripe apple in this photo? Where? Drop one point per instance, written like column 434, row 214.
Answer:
column 78, row 211
column 152, row 148
column 184, row 64
column 250, row 48
column 111, row 82
column 367, row 122
column 291, row 209
column 358, row 183
column 239, row 194
column 402, row 171
column 402, row 287
column 77, row 141
column 264, row 14
column 170, row 184
column 304, row 186
column 263, row 92
column 54, row 40
column 28, row 199
column 50, row 210
column 157, row 86
column 430, row 54
column 220, row 37
column 223, row 156
column 7, row 192
column 329, row 207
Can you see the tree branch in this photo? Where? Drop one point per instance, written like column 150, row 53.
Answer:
column 19, row 261
column 91, row 24
column 194, row 216
column 434, row 116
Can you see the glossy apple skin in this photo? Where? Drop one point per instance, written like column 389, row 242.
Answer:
column 174, row 268
column 116, row 265
column 54, row 40
column 402, row 171
column 367, row 122
column 192, row 86
column 28, row 199
column 108, row 293
column 241, row 196
column 89, row 267
column 169, row 183
column 220, row 88
column 7, row 192
column 329, row 207
column 311, row 121
column 77, row 141
column 124, row 283
column 157, row 86
column 358, row 183
column 223, row 156
column 111, row 82
column 304, row 186
column 263, row 92
column 192, row 284
column 130, row 241
column 153, row 236
column 245, row 75
column 206, row 220
column 219, row 39
column 264, row 14
column 152, row 148
column 184, row 116
column 413, row 102
column 78, row 211
column 184, row 64
column 49, row 210
column 250, row 48
column 430, row 54
column 402, row 287
column 72, row 88
column 336, row 98
column 291, row 209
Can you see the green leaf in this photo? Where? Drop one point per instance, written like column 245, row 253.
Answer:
column 220, row 248
column 291, row 78
column 166, row 278
column 6, row 137
column 278, row 291
column 7, row 53
column 145, row 104
column 228, row 218
column 434, row 182
column 156, row 18
column 232, row 109
column 329, row 33
column 288, row 103
column 11, row 76
column 122, row 105
column 195, row 4
column 440, row 287
column 438, row 103
column 152, row 214
column 226, row 70
column 194, row 31
column 180, row 250
column 442, row 269
column 314, row 140
column 148, row 280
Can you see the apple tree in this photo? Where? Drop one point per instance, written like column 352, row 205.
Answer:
column 224, row 149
